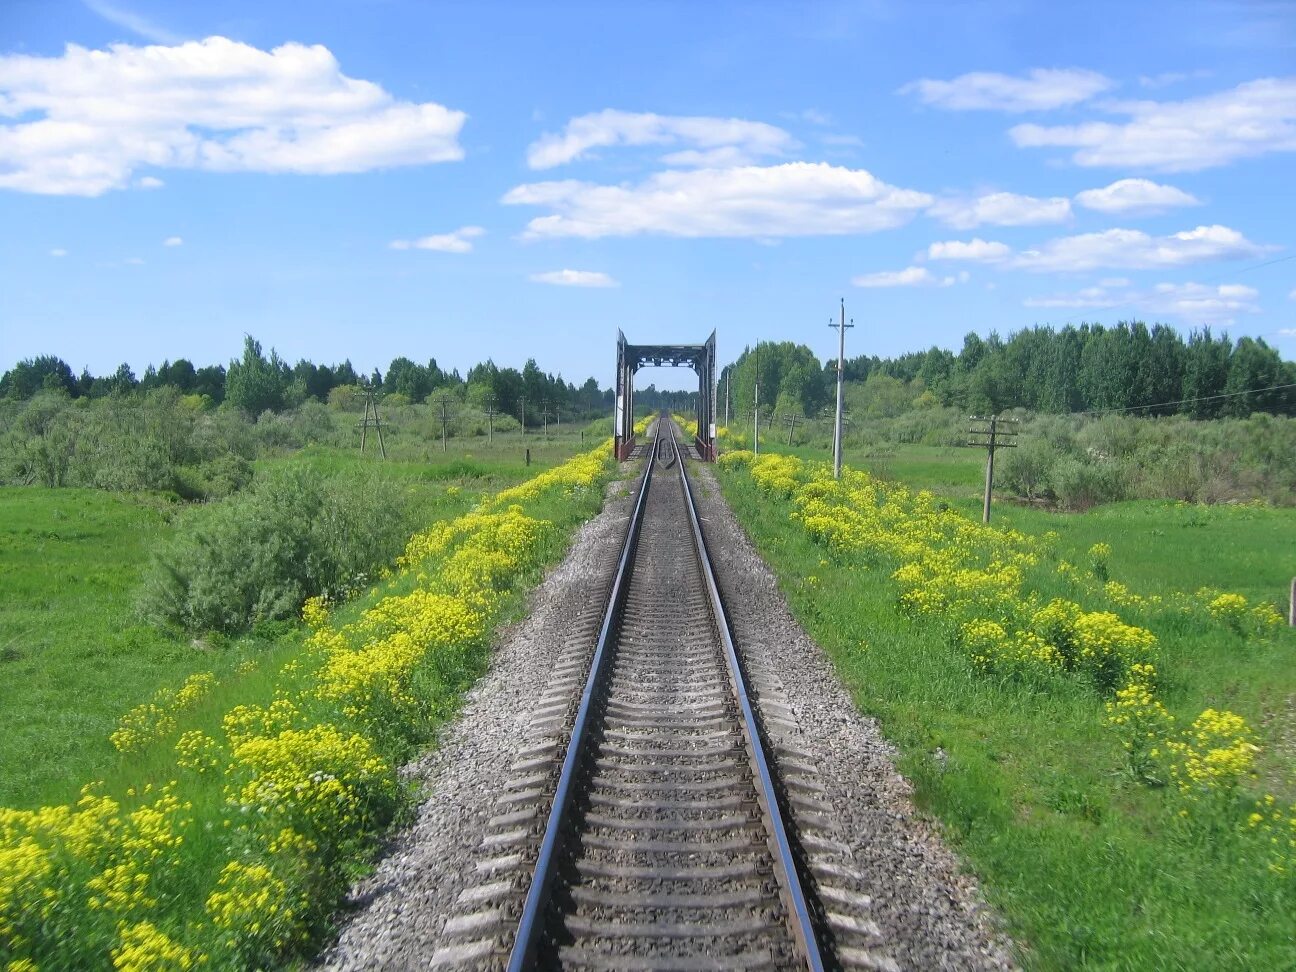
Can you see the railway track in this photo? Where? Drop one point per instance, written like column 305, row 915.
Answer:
column 665, row 847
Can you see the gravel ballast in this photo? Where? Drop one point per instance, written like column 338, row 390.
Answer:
column 449, row 889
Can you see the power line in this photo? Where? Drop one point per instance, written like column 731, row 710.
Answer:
column 1186, row 401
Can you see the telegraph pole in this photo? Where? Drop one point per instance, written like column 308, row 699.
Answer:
column 728, row 377
column 442, row 403
column 841, row 378
column 792, row 422
column 991, row 436
column 756, row 408
column 522, row 402
column 490, row 420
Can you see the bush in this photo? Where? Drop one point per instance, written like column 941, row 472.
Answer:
column 1080, row 483
column 259, row 555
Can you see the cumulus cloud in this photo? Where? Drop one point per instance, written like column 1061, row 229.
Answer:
column 58, row 251
column 457, row 241
column 975, row 249
column 908, row 277
column 793, row 199
column 1255, row 118
column 703, row 141
column 82, row 123
column 173, row 241
column 1135, row 195
column 1191, row 302
column 575, row 278
column 1040, row 90
column 1137, row 250
column 1001, row 209
column 149, row 182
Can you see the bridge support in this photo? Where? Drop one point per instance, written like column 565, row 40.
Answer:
column 631, row 357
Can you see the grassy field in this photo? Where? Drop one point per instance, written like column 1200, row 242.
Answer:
column 73, row 655
column 1091, row 867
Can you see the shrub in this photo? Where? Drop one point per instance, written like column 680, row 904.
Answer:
column 259, row 555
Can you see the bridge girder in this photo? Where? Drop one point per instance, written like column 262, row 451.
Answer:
column 631, row 357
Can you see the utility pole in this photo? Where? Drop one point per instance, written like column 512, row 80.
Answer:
column 490, row 420
column 545, row 410
column 728, row 377
column 792, row 421
column 993, row 433
column 841, row 379
column 371, row 407
column 441, row 402
column 756, row 408
column 522, row 402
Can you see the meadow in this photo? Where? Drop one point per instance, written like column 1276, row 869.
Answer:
column 1020, row 671
column 205, row 799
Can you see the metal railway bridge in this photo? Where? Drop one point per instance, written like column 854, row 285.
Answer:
column 700, row 357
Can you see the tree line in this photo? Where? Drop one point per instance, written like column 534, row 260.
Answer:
column 1128, row 366
column 258, row 382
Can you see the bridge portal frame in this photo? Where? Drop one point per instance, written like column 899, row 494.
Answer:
column 631, row 357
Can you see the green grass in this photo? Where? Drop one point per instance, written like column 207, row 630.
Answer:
column 73, row 655
column 1090, row 868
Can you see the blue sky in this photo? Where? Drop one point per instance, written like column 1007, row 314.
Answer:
column 460, row 180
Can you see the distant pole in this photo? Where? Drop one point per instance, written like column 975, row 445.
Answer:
column 728, row 381
column 522, row 401
column 442, row 403
column 792, row 422
column 991, row 437
column 756, row 408
column 490, row 421
column 841, row 379
column 989, row 487
column 545, row 410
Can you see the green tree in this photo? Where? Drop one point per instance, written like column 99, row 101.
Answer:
column 256, row 384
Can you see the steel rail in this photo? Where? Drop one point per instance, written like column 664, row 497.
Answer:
column 785, row 862
column 531, row 923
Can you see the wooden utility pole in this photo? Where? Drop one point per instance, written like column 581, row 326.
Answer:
column 991, row 433
column 792, row 422
column 545, row 409
column 728, row 376
column 490, row 421
column 841, row 379
column 522, row 403
column 371, row 407
column 441, row 402
column 756, row 407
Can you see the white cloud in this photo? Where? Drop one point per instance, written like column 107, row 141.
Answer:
column 173, row 241
column 1191, row 302
column 908, row 277
column 707, row 141
column 1040, row 90
column 1253, row 119
column 58, row 251
column 149, row 182
column 83, row 122
column 575, row 278
column 1167, row 78
column 1287, row 332
column 132, row 22
column 793, row 199
column 975, row 249
column 1125, row 248
column 458, row 241
column 1135, row 195
column 1001, row 209
column 1114, row 282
